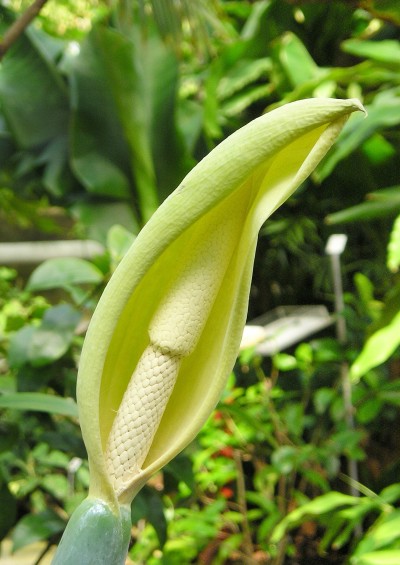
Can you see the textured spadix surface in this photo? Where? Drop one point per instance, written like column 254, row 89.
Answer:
column 167, row 329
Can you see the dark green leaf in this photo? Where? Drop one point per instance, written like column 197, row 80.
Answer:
column 182, row 470
column 100, row 176
column 139, row 506
column 148, row 504
column 41, row 345
column 8, row 510
column 96, row 132
column 9, row 433
column 36, row 527
column 32, row 95
column 124, row 61
column 156, row 517
column 98, row 219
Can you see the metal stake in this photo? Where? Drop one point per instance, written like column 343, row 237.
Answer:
column 334, row 248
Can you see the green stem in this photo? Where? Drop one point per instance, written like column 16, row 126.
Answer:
column 95, row 535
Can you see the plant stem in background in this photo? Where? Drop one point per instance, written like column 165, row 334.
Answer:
column 19, row 26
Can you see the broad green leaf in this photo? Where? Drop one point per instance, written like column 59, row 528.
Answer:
column 32, row 94
column 296, row 61
column 36, row 527
column 332, row 501
column 122, row 65
column 170, row 155
column 98, row 218
column 39, row 402
column 63, row 273
column 57, row 485
column 384, row 51
column 391, row 493
column 378, row 149
column 100, row 175
column 18, row 352
column 97, row 134
column 43, row 344
column 378, row 348
column 156, row 517
column 53, row 338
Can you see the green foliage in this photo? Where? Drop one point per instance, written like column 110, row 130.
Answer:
column 393, row 256
column 106, row 125
column 36, row 527
column 74, row 150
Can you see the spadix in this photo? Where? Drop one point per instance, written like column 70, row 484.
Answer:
column 168, row 327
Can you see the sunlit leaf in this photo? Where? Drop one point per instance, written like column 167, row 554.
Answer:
column 317, row 507
column 384, row 51
column 393, row 249
column 378, row 348
column 39, row 402
column 63, row 273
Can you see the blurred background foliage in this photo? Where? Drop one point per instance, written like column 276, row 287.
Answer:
column 104, row 107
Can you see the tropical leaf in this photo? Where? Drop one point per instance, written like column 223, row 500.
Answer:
column 39, row 402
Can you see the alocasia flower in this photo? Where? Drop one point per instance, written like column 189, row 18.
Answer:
column 166, row 332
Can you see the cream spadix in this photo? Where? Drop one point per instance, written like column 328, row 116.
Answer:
column 167, row 329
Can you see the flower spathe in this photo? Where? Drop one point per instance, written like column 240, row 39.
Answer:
column 175, row 308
